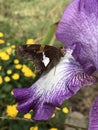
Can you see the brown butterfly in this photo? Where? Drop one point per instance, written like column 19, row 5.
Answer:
column 44, row 57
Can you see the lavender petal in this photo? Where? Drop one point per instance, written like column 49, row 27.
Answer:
column 79, row 27
column 93, row 124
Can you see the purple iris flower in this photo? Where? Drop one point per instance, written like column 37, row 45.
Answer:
column 78, row 30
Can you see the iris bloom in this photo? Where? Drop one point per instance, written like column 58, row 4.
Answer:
column 78, row 30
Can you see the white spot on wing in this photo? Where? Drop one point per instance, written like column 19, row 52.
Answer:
column 45, row 60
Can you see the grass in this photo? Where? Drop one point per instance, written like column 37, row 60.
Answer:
column 20, row 20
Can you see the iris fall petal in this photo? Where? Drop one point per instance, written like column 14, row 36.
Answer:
column 51, row 89
column 94, row 116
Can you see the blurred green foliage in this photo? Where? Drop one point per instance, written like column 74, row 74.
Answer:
column 20, row 20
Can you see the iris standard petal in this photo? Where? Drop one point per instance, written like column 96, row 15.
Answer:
column 63, row 81
column 93, row 125
column 78, row 29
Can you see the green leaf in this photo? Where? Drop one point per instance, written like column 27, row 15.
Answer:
column 7, row 88
column 50, row 34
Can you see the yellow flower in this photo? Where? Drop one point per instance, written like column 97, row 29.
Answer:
column 65, row 110
column 13, row 46
column 28, row 116
column 4, row 56
column 1, row 34
column 11, row 110
column 53, row 115
column 1, row 80
column 2, row 41
column 7, row 79
column 18, row 66
column 27, row 71
column 12, row 93
column 53, row 129
column 30, row 41
column 34, row 128
column 0, row 67
column 57, row 108
column 9, row 50
column 16, row 61
column 15, row 76
column 9, row 72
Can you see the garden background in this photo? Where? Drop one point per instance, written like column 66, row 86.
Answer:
column 31, row 22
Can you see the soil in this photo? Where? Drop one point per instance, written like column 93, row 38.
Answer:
column 83, row 100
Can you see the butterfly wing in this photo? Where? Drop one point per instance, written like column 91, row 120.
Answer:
column 44, row 57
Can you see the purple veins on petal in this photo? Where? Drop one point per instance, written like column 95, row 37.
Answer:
column 93, row 124
column 51, row 89
column 79, row 27
column 24, row 97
